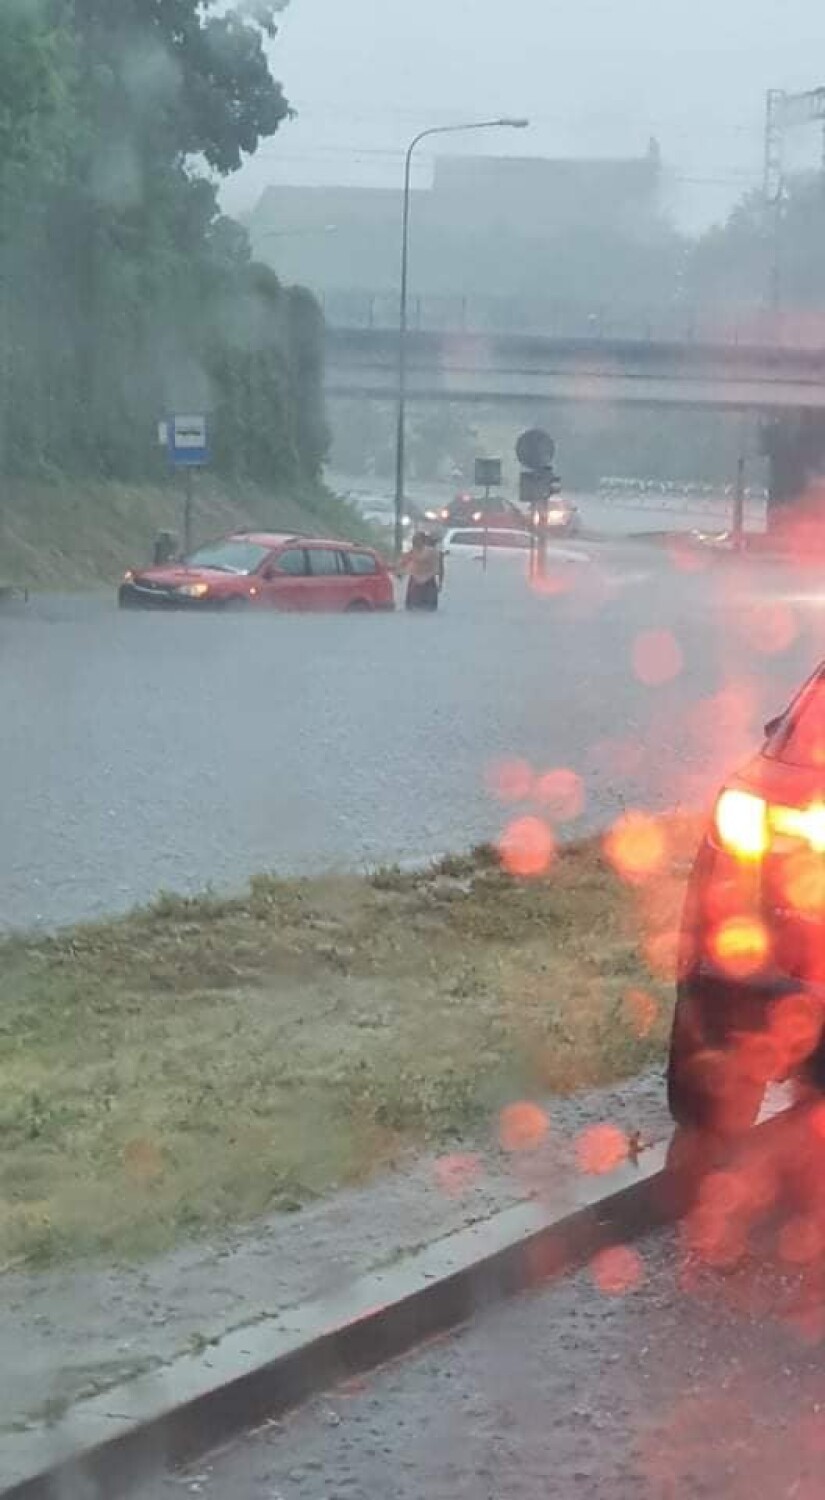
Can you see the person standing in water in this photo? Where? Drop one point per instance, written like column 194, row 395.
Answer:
column 424, row 564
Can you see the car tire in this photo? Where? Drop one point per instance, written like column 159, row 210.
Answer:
column 358, row 607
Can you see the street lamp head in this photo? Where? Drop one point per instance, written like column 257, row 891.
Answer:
column 517, row 124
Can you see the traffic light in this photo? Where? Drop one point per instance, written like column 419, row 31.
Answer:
column 537, row 486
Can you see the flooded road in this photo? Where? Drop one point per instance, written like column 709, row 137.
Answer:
column 140, row 752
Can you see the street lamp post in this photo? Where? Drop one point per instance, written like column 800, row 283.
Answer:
column 400, row 442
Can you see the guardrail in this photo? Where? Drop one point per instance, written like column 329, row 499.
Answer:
column 682, row 505
column 800, row 328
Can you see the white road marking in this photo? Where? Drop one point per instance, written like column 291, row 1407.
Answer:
column 624, row 580
column 568, row 554
column 815, row 600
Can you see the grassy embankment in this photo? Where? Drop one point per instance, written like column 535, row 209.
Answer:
column 75, row 535
column 202, row 1062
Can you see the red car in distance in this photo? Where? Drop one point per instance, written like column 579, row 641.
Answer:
column 469, row 510
column 265, row 570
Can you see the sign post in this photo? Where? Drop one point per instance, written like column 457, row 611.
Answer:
column 188, row 451
column 488, row 477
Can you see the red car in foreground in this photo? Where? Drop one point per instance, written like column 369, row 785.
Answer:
column 260, row 569
column 751, row 988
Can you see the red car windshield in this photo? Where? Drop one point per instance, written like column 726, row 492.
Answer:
column 233, row 556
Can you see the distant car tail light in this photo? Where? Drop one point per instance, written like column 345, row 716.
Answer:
column 741, row 824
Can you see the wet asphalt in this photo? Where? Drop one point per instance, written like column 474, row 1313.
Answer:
column 647, row 1378
column 141, row 752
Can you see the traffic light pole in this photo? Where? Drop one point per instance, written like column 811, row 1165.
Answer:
column 540, row 524
column 739, row 507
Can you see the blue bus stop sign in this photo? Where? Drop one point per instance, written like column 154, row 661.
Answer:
column 188, row 445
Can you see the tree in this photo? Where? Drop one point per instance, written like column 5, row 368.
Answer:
column 32, row 86
column 124, row 292
column 732, row 263
column 173, row 81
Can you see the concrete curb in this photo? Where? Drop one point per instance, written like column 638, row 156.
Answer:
column 175, row 1414
column 108, row 1443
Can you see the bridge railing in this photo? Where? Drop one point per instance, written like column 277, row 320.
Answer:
column 793, row 328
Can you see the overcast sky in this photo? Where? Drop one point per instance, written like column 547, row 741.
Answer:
column 596, row 78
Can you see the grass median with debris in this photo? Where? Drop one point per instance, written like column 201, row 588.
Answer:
column 203, row 1062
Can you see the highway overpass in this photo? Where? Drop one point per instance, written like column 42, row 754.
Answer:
column 543, row 369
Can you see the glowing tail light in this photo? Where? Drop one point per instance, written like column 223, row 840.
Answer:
column 741, row 822
column 748, row 827
column 806, row 824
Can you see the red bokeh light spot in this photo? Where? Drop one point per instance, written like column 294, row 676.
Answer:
column 801, row 1241
column 551, row 583
column 769, row 628
column 803, row 882
column 601, row 1149
column 685, row 556
column 562, row 793
column 796, row 1026
column 143, row 1160
column 457, row 1173
column 511, row 780
column 522, row 1126
column 661, row 950
column 636, row 847
column 715, row 1236
column 657, row 657
column 723, row 1193
column 617, row 1270
column 527, row 847
column 640, row 1012
column 760, row 1056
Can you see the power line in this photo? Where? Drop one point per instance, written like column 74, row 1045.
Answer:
column 661, row 127
column 734, row 178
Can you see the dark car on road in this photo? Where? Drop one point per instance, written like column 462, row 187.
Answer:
column 265, row 570
column 751, row 983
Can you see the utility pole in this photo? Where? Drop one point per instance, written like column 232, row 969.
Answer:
column 188, row 507
column 773, row 186
column 783, row 113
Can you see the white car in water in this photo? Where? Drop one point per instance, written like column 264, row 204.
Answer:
column 476, row 543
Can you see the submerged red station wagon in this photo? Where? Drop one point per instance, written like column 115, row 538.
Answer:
column 260, row 569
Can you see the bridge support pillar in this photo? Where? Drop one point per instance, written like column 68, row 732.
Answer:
column 794, row 445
